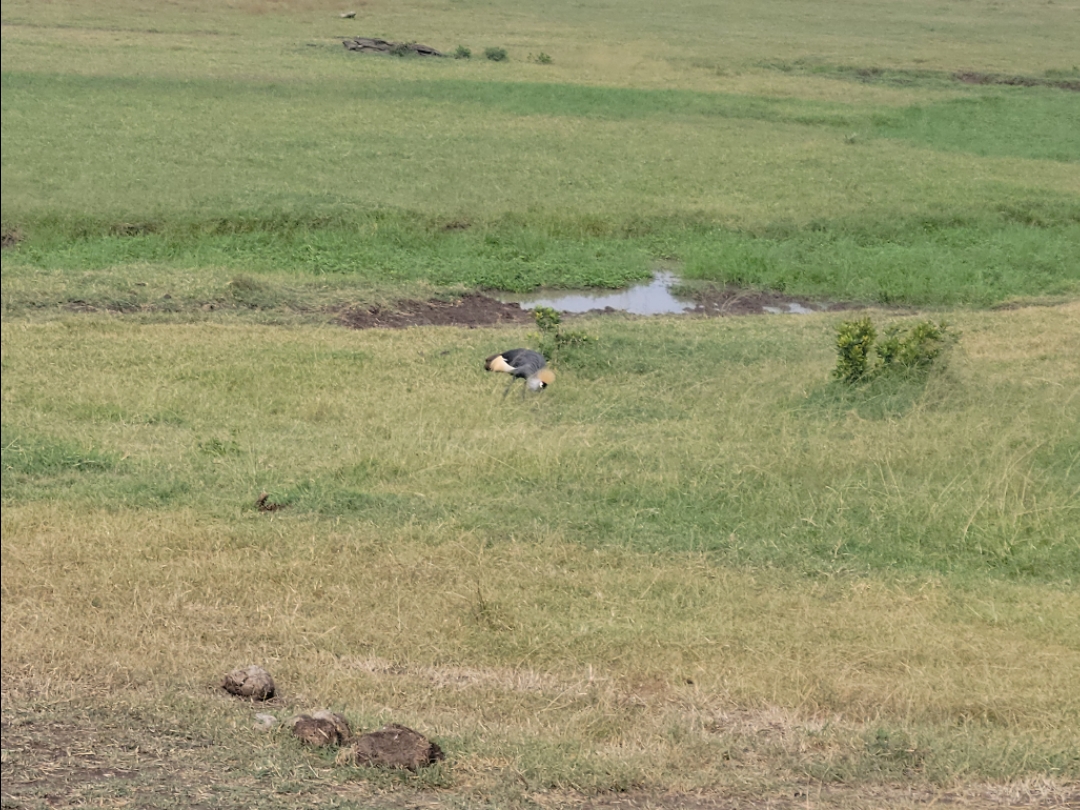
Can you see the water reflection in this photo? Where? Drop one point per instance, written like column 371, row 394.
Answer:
column 653, row 298
column 792, row 308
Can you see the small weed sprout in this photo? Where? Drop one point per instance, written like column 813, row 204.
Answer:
column 495, row 54
column 401, row 49
column 543, row 59
column 553, row 338
column 462, row 53
column 903, row 348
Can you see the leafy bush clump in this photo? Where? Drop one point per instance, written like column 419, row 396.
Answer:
column 462, row 53
column 495, row 54
column 860, row 356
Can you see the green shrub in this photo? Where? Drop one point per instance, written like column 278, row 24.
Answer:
column 916, row 347
column 547, row 319
column 854, row 341
column 903, row 348
column 462, row 53
column 495, row 54
column 543, row 59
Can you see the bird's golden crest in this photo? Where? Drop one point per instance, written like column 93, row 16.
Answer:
column 546, row 376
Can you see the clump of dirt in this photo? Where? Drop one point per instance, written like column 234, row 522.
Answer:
column 10, row 238
column 372, row 45
column 321, row 728
column 251, row 682
column 470, row 310
column 974, row 77
column 264, row 504
column 393, row 746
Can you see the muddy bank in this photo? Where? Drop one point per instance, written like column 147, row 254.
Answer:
column 476, row 309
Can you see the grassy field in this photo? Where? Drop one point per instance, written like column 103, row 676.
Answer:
column 698, row 571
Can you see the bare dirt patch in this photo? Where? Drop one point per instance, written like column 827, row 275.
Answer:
column 470, row 310
column 10, row 238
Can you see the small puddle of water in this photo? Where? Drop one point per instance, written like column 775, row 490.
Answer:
column 793, row 308
column 654, row 298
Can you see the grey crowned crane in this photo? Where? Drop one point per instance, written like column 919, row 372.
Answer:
column 525, row 363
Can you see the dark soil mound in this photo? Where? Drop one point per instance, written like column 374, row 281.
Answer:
column 395, row 746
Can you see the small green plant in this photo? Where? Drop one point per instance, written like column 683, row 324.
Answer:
column 907, row 348
column 461, row 52
column 543, row 59
column 548, row 319
column 495, row 54
column 553, row 338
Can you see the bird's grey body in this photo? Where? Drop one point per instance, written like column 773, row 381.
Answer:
column 524, row 363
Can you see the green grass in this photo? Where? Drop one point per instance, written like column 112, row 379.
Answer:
column 936, row 259
column 743, row 461
column 1031, row 125
column 930, row 261
column 885, row 206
